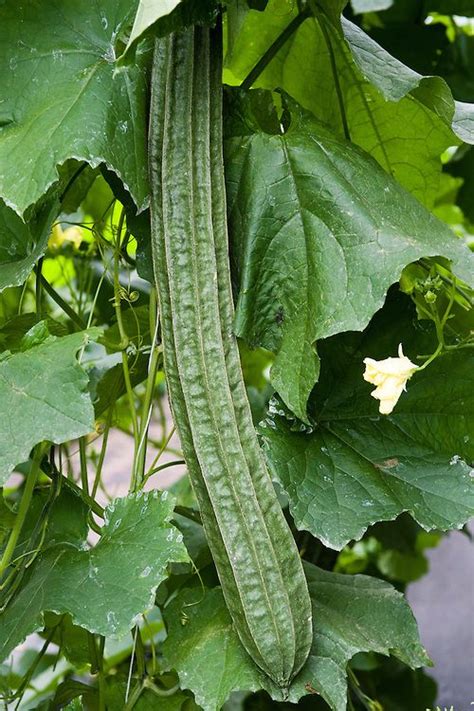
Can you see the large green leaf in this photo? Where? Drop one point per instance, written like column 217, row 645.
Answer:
column 22, row 244
column 395, row 81
column 355, row 467
column 44, row 396
column 106, row 588
column 319, row 233
column 307, row 67
column 351, row 614
column 63, row 96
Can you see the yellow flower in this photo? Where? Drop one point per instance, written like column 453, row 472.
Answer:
column 59, row 236
column 390, row 376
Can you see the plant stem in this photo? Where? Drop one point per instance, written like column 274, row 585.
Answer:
column 332, row 58
column 83, row 465
column 189, row 514
column 166, row 465
column 73, row 179
column 93, row 505
column 140, row 454
column 38, row 292
column 23, row 508
column 158, row 455
column 123, row 336
column 103, row 450
column 274, row 48
column 75, row 318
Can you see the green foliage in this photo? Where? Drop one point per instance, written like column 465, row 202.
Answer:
column 77, row 104
column 348, row 169
column 105, row 589
column 373, row 612
column 22, row 244
column 352, row 230
column 352, row 466
column 338, row 74
column 44, row 390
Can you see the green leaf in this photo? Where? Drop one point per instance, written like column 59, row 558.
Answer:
column 395, row 81
column 44, row 391
column 66, row 521
column 149, row 12
column 107, row 384
column 22, row 244
column 351, row 613
column 307, row 68
column 169, row 15
column 77, row 103
column 203, row 647
column 106, row 588
column 319, row 234
column 357, row 467
column 13, row 331
column 463, row 167
column 74, row 705
column 74, row 641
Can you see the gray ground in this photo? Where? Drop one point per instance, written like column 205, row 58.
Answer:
column 443, row 603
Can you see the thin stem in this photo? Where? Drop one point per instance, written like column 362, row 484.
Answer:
column 130, row 668
column 189, row 514
column 31, row 670
column 155, row 355
column 152, row 646
column 274, row 48
column 93, row 505
column 355, row 687
column 123, row 336
column 22, row 297
column 431, row 358
column 160, row 452
column 38, row 291
column 73, row 179
column 83, row 465
column 166, row 465
column 23, row 508
column 103, row 449
column 137, row 692
column 75, row 318
column 102, row 687
column 140, row 655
